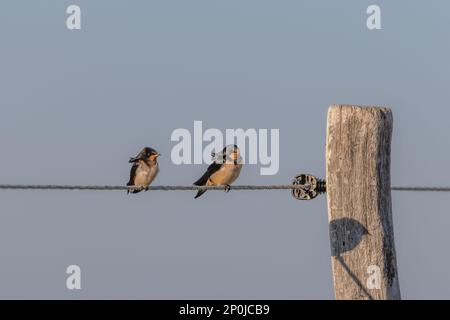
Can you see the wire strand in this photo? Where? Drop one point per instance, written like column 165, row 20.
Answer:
column 190, row 188
column 426, row 189
column 152, row 188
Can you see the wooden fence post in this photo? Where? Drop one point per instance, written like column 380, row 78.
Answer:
column 359, row 202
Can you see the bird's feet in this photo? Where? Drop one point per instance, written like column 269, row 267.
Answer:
column 227, row 188
column 146, row 189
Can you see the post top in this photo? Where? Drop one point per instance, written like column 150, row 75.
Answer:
column 383, row 109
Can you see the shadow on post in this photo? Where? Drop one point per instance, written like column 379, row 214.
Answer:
column 345, row 235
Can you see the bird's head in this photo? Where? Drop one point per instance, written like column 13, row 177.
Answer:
column 146, row 154
column 232, row 152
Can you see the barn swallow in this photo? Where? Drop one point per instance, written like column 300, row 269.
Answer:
column 223, row 171
column 144, row 170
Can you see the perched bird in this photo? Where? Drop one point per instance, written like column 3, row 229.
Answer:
column 144, row 170
column 223, row 171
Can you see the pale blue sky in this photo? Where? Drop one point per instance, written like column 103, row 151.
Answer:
column 75, row 105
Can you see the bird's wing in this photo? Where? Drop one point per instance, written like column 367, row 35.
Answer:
column 213, row 167
column 132, row 174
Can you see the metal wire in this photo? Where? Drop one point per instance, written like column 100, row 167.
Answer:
column 432, row 189
column 188, row 188
column 152, row 188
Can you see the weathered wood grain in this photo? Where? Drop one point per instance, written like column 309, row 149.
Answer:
column 359, row 202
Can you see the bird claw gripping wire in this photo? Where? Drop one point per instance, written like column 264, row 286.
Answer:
column 311, row 187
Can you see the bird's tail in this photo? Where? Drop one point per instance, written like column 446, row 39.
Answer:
column 199, row 193
column 132, row 190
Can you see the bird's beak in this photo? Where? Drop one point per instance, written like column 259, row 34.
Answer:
column 159, row 154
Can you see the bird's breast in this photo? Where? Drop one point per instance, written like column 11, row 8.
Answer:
column 227, row 174
column 145, row 175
